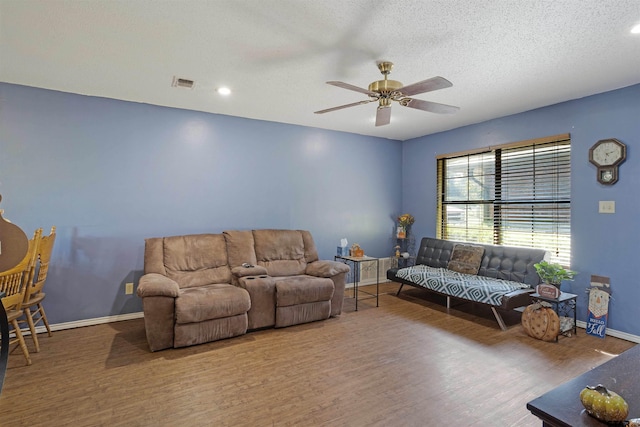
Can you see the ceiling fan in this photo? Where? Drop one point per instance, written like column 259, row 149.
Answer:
column 385, row 91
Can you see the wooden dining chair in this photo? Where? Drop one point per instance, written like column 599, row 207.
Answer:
column 13, row 283
column 33, row 311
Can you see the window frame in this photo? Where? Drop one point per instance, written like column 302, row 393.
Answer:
column 557, row 206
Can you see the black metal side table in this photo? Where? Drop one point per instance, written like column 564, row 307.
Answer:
column 356, row 261
column 564, row 306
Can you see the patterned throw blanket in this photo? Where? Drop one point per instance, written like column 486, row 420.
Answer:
column 467, row 286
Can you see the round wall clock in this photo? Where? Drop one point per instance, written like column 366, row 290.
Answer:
column 607, row 155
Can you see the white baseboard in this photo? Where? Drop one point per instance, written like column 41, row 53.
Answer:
column 612, row 332
column 120, row 317
column 88, row 322
column 366, row 283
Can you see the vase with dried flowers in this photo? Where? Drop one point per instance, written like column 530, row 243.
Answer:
column 404, row 224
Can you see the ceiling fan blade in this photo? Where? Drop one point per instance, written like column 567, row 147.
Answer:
column 434, row 83
column 344, row 106
column 432, row 107
column 383, row 116
column 354, row 88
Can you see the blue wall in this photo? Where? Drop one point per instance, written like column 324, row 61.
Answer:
column 109, row 174
column 602, row 244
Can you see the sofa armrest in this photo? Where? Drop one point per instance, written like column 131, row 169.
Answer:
column 157, row 285
column 325, row 268
column 391, row 274
column 255, row 270
column 515, row 299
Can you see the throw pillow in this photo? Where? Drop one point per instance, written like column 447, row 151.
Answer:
column 466, row 259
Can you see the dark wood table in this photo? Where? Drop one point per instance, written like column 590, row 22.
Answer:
column 561, row 407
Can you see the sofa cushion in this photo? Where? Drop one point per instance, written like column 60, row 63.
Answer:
column 281, row 252
column 302, row 313
column 197, row 304
column 295, row 290
column 310, row 251
column 240, row 248
column 466, row 259
column 197, row 259
column 210, row 330
column 512, row 263
column 434, row 252
column 154, row 256
column 466, row 286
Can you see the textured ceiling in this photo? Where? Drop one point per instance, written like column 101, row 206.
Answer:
column 502, row 56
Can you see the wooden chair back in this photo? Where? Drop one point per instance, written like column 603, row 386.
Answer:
column 14, row 281
column 41, row 266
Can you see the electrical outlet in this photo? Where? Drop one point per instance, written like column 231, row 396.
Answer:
column 128, row 288
column 607, row 207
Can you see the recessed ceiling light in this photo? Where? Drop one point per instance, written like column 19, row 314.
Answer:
column 224, row 91
column 636, row 29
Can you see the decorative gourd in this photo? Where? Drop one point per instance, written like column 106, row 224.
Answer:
column 541, row 322
column 604, row 404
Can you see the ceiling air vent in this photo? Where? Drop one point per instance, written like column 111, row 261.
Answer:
column 184, row 83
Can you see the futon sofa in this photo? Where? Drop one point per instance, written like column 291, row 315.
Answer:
column 501, row 277
column 206, row 287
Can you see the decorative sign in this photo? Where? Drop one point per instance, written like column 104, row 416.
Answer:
column 599, row 294
column 548, row 291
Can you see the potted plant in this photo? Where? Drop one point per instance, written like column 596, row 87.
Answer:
column 553, row 274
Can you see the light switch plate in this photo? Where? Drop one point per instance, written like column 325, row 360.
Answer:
column 607, row 206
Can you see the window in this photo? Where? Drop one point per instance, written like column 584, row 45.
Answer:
column 515, row 194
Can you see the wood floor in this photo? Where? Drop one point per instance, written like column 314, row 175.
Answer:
column 405, row 363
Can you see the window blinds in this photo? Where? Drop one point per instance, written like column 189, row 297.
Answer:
column 515, row 195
